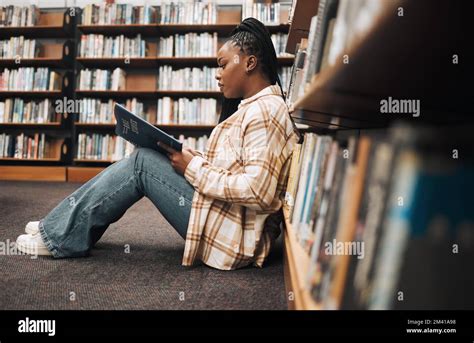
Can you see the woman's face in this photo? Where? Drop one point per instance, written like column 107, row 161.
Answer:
column 231, row 73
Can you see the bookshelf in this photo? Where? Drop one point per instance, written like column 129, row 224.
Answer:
column 53, row 48
column 62, row 30
column 142, row 85
column 406, row 53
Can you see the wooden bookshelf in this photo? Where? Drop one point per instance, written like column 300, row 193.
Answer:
column 153, row 30
column 296, row 266
column 82, row 174
column 33, row 173
column 165, row 126
column 348, row 95
column 148, row 94
column 303, row 11
column 403, row 57
column 51, row 24
column 151, row 62
column 90, row 160
column 31, row 125
column 53, row 55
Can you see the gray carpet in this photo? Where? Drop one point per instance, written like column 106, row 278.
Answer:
column 149, row 277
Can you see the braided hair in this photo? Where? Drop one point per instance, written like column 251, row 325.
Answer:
column 253, row 38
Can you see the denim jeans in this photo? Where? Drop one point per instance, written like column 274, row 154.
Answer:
column 73, row 227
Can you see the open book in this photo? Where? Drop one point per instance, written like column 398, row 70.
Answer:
column 141, row 133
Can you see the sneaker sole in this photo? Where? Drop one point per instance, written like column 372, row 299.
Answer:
column 30, row 250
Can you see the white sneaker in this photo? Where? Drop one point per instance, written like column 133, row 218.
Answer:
column 32, row 245
column 32, row 227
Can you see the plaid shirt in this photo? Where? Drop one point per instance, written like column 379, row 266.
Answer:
column 240, row 180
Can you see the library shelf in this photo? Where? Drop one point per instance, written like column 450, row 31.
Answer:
column 349, row 95
column 82, row 174
column 303, row 11
column 296, row 265
column 32, row 62
column 165, row 126
column 90, row 160
column 31, row 125
column 147, row 62
column 51, row 24
column 147, row 93
column 33, row 173
column 47, row 159
column 30, row 94
column 148, row 30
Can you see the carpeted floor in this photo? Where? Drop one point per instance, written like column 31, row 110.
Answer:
column 150, row 276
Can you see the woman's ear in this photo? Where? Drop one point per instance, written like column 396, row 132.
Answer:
column 251, row 63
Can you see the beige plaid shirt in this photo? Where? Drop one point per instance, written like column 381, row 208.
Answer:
column 240, row 180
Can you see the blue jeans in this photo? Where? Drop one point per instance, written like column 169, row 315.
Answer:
column 73, row 227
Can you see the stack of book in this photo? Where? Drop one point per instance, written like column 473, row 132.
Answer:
column 18, row 111
column 31, row 146
column 100, row 79
column 189, row 45
column 267, row 13
column 96, row 111
column 189, row 79
column 285, row 75
column 102, row 147
column 279, row 42
column 368, row 214
column 187, row 111
column 106, row 147
column 19, row 15
column 19, row 47
column 332, row 31
column 29, row 79
column 118, row 14
column 187, row 12
column 99, row 46
column 196, row 143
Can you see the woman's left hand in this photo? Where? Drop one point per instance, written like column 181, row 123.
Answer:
column 179, row 159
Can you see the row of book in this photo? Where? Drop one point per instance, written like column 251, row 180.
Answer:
column 17, row 110
column 279, row 42
column 285, row 75
column 19, row 15
column 19, row 47
column 174, row 12
column 187, row 111
column 267, row 13
column 30, row 79
column 108, row 147
column 332, row 32
column 24, row 146
column 379, row 216
column 102, row 79
column 96, row 111
column 198, row 79
column 183, row 111
column 189, row 45
column 97, row 46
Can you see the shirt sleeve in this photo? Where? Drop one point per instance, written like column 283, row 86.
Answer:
column 254, row 186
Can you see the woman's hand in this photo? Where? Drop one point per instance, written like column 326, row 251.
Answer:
column 179, row 159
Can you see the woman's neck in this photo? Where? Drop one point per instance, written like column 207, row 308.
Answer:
column 255, row 86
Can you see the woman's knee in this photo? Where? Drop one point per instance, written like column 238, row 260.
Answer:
column 143, row 156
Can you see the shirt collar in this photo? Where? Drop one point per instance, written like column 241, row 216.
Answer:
column 270, row 90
